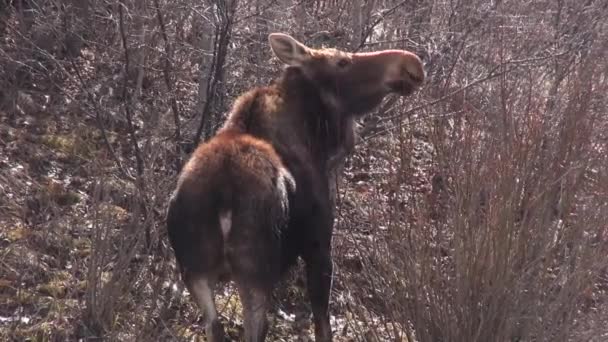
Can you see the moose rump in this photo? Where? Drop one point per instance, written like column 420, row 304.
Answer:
column 225, row 221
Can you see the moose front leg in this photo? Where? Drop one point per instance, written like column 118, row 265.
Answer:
column 319, row 278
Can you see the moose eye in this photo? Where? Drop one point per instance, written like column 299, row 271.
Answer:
column 343, row 62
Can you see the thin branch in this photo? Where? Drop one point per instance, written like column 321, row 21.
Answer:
column 141, row 184
column 169, row 84
column 100, row 124
column 490, row 76
column 222, row 38
column 125, row 91
column 258, row 13
column 371, row 28
column 210, row 89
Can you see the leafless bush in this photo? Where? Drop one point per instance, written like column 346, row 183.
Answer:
column 507, row 242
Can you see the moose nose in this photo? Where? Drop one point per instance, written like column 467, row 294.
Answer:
column 405, row 71
column 400, row 71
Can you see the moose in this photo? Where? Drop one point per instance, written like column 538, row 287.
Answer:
column 255, row 197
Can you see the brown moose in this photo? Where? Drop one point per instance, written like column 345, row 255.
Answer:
column 255, row 197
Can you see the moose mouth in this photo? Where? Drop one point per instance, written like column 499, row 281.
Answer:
column 401, row 87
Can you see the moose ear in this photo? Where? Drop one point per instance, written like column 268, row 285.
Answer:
column 288, row 50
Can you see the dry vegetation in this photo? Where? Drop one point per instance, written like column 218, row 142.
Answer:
column 475, row 210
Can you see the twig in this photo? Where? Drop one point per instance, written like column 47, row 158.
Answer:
column 210, row 89
column 141, row 185
column 169, row 85
column 390, row 128
column 216, row 72
column 100, row 124
column 125, row 91
column 258, row 13
column 370, row 29
column 490, row 76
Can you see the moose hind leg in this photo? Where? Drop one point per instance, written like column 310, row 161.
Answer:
column 255, row 305
column 201, row 289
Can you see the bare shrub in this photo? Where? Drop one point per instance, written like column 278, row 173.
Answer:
column 506, row 238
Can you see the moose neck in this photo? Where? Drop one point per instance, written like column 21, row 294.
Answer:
column 322, row 121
